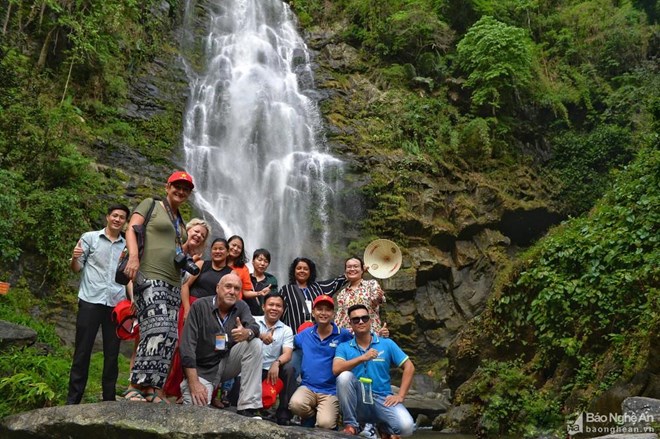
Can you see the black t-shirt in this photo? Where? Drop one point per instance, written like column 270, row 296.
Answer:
column 207, row 280
column 256, row 303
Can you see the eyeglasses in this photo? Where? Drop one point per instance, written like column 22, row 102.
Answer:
column 363, row 319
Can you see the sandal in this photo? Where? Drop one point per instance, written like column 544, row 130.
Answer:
column 217, row 403
column 133, row 395
column 154, row 398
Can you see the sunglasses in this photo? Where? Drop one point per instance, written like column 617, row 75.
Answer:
column 363, row 319
column 182, row 187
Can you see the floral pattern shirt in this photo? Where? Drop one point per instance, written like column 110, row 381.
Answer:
column 368, row 293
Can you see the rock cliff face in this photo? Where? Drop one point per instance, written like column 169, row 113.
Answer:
column 458, row 227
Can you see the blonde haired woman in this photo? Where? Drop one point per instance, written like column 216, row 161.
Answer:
column 198, row 231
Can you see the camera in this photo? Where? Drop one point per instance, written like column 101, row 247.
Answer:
column 184, row 262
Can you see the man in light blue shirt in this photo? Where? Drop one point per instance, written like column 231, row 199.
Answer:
column 362, row 366
column 277, row 341
column 96, row 255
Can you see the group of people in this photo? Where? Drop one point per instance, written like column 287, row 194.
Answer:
column 203, row 323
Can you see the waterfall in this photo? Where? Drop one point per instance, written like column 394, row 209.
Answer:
column 252, row 138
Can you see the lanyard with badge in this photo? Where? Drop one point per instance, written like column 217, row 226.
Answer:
column 305, row 296
column 308, row 299
column 221, row 340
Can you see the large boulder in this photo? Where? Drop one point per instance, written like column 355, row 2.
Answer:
column 127, row 420
column 15, row 335
column 640, row 412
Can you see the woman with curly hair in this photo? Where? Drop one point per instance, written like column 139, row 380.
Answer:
column 302, row 289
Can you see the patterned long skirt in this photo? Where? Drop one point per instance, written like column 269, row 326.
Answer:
column 157, row 304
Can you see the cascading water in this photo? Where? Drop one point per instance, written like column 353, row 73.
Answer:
column 252, row 138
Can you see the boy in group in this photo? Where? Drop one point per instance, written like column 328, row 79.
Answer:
column 362, row 366
column 278, row 346
column 96, row 255
column 317, row 394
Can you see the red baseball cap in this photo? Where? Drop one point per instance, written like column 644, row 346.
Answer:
column 323, row 298
column 181, row 176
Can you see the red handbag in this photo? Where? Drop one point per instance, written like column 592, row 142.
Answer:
column 126, row 320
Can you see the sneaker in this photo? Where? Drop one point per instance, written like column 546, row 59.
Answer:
column 369, row 431
column 249, row 413
column 349, row 429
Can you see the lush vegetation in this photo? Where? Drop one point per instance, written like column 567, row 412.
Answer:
column 38, row 375
column 64, row 68
column 569, row 83
column 583, row 303
column 64, row 73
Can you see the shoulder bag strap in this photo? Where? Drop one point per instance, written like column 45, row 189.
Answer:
column 149, row 212
column 176, row 221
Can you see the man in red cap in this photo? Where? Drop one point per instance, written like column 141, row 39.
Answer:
column 317, row 394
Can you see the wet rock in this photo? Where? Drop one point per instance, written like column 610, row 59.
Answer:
column 641, row 412
column 428, row 404
column 457, row 419
column 341, row 57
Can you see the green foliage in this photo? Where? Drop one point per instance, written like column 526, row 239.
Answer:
column 611, row 36
column 25, row 391
column 19, row 306
column 498, row 61
column 28, row 377
column 311, row 12
column 511, row 402
column 47, row 193
column 405, row 31
column 37, row 376
column 584, row 161
column 475, row 141
column 634, row 100
column 51, row 190
column 590, row 278
column 12, row 216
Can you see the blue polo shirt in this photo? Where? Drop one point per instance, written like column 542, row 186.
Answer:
column 317, row 358
column 378, row 369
